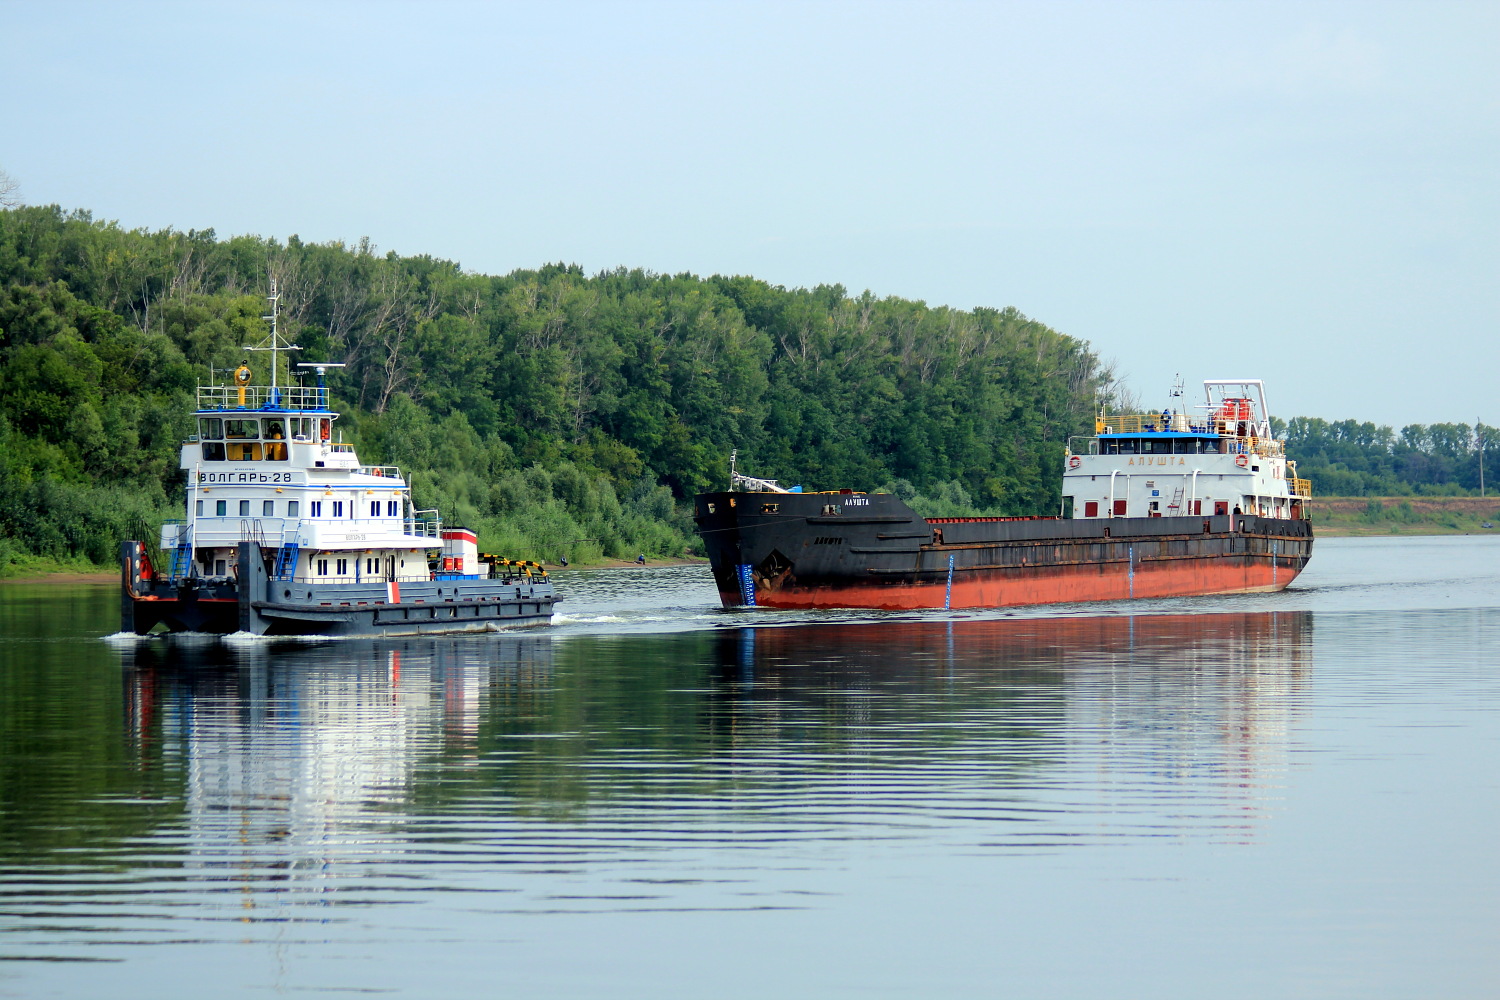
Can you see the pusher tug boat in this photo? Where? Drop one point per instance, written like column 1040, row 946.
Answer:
column 287, row 533
column 1154, row 505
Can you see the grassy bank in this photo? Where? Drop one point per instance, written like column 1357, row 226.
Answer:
column 17, row 565
column 1406, row 515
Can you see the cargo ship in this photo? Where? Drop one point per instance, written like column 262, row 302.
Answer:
column 287, row 532
column 1163, row 504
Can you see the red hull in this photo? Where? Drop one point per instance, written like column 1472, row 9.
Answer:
column 1044, row 585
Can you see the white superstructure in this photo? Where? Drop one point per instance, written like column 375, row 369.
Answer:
column 266, row 466
column 1223, row 460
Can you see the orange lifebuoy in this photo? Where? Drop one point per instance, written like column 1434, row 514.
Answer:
column 325, row 429
column 1074, row 461
column 1241, row 460
column 378, row 472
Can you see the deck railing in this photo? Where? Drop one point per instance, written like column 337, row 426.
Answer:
column 425, row 523
column 1181, row 423
column 1137, row 423
column 262, row 397
column 1302, row 488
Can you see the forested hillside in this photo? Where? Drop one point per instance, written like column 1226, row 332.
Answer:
column 1350, row 458
column 559, row 413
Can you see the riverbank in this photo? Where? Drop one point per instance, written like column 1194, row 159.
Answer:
column 23, row 568
column 555, row 570
column 1336, row 516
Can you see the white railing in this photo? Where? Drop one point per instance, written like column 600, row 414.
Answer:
column 306, row 575
column 214, row 531
column 425, row 524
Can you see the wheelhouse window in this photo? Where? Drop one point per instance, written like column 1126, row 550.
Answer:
column 244, row 451
column 275, row 441
column 243, row 436
column 211, row 433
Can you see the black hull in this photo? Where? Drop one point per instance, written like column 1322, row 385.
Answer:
column 871, row 550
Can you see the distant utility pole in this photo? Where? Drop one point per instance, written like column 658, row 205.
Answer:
column 1479, row 442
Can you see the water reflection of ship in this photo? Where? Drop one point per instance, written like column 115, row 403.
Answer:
column 1207, row 696
column 308, row 764
column 1202, row 648
column 306, row 744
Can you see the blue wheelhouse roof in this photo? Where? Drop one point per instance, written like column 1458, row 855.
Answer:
column 1164, row 434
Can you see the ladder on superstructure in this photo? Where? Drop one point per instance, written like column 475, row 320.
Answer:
column 182, row 556
column 286, row 561
column 1175, row 507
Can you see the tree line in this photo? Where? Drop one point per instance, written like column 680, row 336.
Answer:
column 562, row 414
column 1354, row 458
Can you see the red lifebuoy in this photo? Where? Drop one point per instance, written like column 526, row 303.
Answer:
column 1074, row 461
column 1241, row 460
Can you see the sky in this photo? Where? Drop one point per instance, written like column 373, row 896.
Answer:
column 1304, row 193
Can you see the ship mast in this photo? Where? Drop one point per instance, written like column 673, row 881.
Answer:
column 274, row 343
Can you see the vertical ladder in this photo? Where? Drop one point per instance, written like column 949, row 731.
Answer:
column 1175, row 507
column 286, row 561
column 182, row 557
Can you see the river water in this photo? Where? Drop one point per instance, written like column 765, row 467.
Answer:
column 1288, row 795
